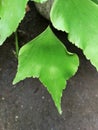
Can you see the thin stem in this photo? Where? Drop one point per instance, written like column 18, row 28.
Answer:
column 16, row 44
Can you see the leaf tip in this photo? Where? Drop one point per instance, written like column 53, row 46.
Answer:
column 58, row 106
column 14, row 81
column 60, row 111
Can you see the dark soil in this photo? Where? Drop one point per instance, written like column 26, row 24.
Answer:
column 28, row 106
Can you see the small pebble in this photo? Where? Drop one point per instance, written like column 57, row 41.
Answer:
column 3, row 98
column 96, row 95
column 21, row 106
column 31, row 108
column 43, row 97
column 16, row 118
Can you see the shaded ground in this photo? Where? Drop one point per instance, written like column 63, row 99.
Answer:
column 28, row 106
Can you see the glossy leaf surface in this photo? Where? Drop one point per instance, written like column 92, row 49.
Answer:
column 11, row 13
column 46, row 58
column 79, row 18
column 96, row 1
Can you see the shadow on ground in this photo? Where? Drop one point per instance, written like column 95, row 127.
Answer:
column 28, row 106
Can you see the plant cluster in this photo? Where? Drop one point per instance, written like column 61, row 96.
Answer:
column 45, row 57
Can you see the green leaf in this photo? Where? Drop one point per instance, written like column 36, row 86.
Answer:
column 96, row 1
column 40, row 1
column 46, row 58
column 11, row 13
column 79, row 18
